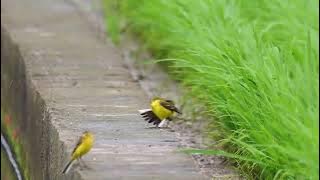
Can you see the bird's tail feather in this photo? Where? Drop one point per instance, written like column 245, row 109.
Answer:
column 178, row 111
column 68, row 167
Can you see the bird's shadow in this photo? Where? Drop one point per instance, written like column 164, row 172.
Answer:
column 152, row 128
column 158, row 128
column 82, row 165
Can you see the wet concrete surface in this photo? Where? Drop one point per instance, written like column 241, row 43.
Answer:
column 86, row 86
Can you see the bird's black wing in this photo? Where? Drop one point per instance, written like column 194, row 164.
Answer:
column 168, row 104
column 151, row 117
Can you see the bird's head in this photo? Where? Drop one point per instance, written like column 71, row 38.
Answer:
column 87, row 134
column 156, row 98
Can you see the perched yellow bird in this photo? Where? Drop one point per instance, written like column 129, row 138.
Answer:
column 83, row 146
column 161, row 111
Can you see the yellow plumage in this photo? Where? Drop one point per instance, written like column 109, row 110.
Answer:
column 83, row 146
column 161, row 110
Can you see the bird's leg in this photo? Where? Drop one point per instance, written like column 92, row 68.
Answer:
column 163, row 124
column 82, row 163
column 169, row 120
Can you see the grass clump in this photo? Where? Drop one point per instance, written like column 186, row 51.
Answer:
column 254, row 64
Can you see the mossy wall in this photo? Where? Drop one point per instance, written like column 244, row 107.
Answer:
column 25, row 120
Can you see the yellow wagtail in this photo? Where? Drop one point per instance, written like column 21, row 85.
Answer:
column 83, row 146
column 161, row 111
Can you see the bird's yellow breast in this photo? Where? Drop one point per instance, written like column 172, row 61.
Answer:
column 160, row 111
column 84, row 147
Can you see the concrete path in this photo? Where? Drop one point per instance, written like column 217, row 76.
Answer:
column 87, row 87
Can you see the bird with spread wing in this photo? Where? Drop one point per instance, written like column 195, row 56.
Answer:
column 160, row 112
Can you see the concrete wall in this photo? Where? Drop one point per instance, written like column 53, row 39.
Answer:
column 25, row 119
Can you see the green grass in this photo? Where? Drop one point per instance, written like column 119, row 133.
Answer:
column 253, row 64
column 17, row 148
column 111, row 20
